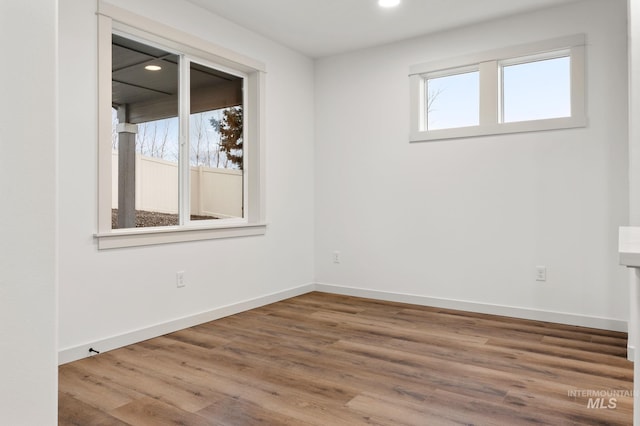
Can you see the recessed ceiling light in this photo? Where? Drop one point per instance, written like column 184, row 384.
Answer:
column 153, row 68
column 388, row 3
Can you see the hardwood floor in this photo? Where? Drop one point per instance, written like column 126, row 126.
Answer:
column 324, row 359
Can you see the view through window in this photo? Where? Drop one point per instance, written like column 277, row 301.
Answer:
column 536, row 90
column 453, row 101
column 156, row 179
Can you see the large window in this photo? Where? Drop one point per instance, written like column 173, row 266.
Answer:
column 182, row 157
column 519, row 89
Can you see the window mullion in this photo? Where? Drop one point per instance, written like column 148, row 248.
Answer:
column 489, row 91
column 183, row 161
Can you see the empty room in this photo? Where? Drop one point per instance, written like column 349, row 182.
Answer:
column 235, row 212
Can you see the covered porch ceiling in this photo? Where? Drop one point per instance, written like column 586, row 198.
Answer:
column 153, row 94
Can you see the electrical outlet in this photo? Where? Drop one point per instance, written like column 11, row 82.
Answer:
column 336, row 257
column 541, row 273
column 180, row 279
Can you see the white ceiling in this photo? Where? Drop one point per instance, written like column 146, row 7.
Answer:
column 326, row 27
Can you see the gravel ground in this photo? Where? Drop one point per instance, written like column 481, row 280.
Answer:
column 147, row 219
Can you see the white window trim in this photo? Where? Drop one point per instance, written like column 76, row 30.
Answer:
column 112, row 18
column 489, row 65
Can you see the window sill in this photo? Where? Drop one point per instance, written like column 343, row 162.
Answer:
column 499, row 129
column 120, row 238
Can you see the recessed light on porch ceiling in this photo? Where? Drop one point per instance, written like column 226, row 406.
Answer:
column 153, row 68
column 388, row 3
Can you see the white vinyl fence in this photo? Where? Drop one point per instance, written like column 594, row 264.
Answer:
column 214, row 192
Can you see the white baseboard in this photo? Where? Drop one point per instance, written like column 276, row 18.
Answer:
column 82, row 351
column 484, row 308
column 631, row 352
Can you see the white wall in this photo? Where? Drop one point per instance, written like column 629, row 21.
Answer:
column 28, row 145
column 634, row 188
column 469, row 219
column 114, row 292
column 634, row 107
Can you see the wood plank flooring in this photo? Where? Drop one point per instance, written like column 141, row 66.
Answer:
column 322, row 359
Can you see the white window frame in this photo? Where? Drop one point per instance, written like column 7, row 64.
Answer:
column 490, row 65
column 112, row 19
